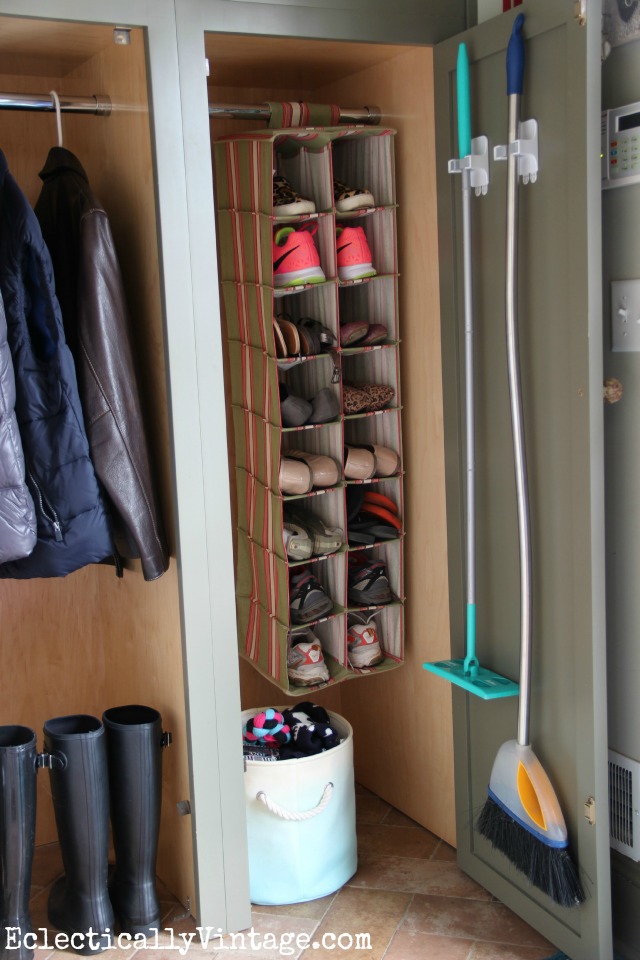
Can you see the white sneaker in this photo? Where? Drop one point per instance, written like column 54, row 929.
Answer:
column 363, row 645
column 305, row 662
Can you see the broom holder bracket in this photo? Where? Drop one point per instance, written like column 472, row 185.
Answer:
column 525, row 148
column 477, row 163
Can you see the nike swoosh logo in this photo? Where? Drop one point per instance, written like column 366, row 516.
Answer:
column 343, row 247
column 277, row 263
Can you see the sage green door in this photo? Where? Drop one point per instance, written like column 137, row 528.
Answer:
column 559, row 318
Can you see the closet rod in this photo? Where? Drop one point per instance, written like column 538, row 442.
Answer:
column 98, row 103
column 252, row 111
column 101, row 104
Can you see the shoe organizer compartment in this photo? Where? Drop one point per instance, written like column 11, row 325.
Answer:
column 248, row 253
column 390, row 554
column 262, row 515
column 376, row 303
column 325, row 441
column 383, row 430
column 318, row 302
column 300, row 595
column 244, row 166
column 375, row 513
column 332, row 635
column 380, row 232
column 364, row 159
column 308, row 171
column 264, row 642
column 388, row 623
column 370, row 382
column 249, row 315
column 296, row 398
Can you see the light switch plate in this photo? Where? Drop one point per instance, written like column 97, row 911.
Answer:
column 625, row 315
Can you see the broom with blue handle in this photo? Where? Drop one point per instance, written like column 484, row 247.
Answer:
column 522, row 815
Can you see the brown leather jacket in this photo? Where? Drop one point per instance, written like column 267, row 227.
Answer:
column 90, row 291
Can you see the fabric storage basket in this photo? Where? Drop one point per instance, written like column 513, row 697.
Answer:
column 301, row 822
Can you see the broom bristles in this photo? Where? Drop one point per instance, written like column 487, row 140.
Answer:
column 550, row 869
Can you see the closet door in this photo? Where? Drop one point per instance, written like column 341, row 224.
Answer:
column 561, row 365
column 99, row 640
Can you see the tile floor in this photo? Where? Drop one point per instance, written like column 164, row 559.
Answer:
column 408, row 895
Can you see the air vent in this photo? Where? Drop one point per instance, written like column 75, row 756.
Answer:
column 624, row 805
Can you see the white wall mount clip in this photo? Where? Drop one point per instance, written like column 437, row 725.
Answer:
column 525, row 148
column 477, row 163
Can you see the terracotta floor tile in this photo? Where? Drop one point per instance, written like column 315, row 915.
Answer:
column 501, row 951
column 383, row 840
column 373, row 912
column 370, row 809
column 47, row 865
column 397, row 819
column 271, row 936
column 473, row 919
column 311, row 910
column 437, row 878
column 444, row 852
column 422, row 946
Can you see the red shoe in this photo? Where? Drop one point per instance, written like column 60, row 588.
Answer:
column 295, row 257
column 354, row 255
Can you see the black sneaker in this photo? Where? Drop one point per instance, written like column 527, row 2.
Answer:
column 307, row 599
column 368, row 583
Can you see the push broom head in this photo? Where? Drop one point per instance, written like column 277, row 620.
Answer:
column 522, row 818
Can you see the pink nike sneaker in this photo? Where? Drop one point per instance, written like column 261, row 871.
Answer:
column 295, row 257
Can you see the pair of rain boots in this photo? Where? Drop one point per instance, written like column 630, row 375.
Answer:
column 93, row 766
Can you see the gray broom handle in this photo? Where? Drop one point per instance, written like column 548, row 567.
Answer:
column 469, row 387
column 515, row 396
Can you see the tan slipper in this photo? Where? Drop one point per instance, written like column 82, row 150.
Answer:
column 325, row 472
column 359, row 463
column 387, row 460
column 295, row 477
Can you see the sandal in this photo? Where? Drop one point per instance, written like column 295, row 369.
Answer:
column 324, row 539
column 298, row 544
column 287, row 338
column 307, row 599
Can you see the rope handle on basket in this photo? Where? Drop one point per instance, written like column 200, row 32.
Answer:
column 290, row 814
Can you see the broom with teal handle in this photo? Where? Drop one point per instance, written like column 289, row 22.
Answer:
column 522, row 816
column 468, row 673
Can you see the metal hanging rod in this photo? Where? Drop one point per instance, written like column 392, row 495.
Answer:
column 253, row 111
column 98, row 103
column 101, row 105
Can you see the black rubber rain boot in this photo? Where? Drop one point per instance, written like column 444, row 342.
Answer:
column 134, row 746
column 17, row 838
column 79, row 901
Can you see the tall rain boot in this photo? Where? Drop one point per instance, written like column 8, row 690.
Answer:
column 79, row 901
column 134, row 746
column 17, row 838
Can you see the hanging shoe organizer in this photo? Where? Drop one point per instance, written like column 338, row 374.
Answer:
column 361, row 383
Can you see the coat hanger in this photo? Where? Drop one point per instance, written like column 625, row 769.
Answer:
column 56, row 102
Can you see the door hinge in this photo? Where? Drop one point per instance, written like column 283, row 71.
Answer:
column 590, row 811
column 580, row 12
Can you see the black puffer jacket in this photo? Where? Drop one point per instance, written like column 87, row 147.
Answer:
column 73, row 529
column 17, row 515
column 91, row 294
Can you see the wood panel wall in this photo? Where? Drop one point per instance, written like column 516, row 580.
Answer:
column 91, row 641
column 402, row 720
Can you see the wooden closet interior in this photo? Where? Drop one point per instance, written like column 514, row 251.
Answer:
column 402, row 720
column 91, row 641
